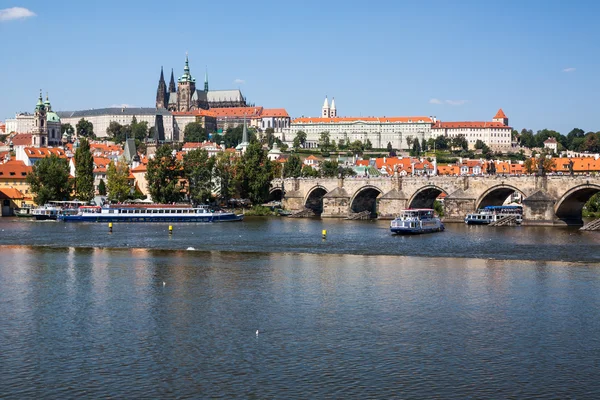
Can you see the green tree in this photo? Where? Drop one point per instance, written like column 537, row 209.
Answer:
column 441, row 142
column 256, row 173
column 357, row 147
column 423, row 145
column 416, row 148
column 269, row 137
column 389, row 147
column 163, row 175
column 409, row 142
column 329, row 168
column 117, row 181
column 139, row 130
column 198, row 168
column 325, row 142
column 49, row 180
column 479, row 144
column 299, row 140
column 102, row 188
column 194, row 132
column 526, row 138
column 67, row 128
column 309, row 172
column 117, row 132
column 85, row 129
column 84, row 171
column 224, row 174
column 460, row 142
column 293, row 167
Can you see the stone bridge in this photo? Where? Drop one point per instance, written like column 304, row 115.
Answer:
column 547, row 200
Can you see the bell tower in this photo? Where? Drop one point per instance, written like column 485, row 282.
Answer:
column 39, row 136
column 186, row 87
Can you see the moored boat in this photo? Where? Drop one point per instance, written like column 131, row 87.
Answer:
column 490, row 214
column 54, row 209
column 416, row 221
column 149, row 213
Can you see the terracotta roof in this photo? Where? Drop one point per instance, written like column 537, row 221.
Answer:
column 312, row 157
column 500, row 114
column 200, row 113
column 22, row 139
column 470, row 124
column 237, row 112
column 140, row 168
column 41, row 152
column 14, row 169
column 274, row 112
column 319, row 120
column 10, row 193
column 550, row 140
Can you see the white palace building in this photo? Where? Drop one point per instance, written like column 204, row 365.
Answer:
column 398, row 131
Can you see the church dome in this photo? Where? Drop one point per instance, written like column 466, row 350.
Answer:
column 52, row 117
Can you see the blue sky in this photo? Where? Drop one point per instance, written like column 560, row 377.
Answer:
column 457, row 60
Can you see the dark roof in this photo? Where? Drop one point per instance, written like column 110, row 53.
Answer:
column 112, row 111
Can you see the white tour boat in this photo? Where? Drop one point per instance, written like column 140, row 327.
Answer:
column 415, row 221
column 489, row 214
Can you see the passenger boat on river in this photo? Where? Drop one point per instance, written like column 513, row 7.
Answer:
column 150, row 213
column 490, row 214
column 54, row 209
column 416, row 221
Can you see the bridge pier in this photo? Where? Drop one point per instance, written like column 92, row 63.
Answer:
column 336, row 204
column 391, row 203
column 458, row 204
column 538, row 209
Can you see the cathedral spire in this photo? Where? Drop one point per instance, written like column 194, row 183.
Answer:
column 206, row 80
column 172, row 88
column 161, row 91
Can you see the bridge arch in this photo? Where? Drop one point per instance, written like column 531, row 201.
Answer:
column 425, row 196
column 496, row 195
column 365, row 199
column 314, row 199
column 569, row 207
column 276, row 193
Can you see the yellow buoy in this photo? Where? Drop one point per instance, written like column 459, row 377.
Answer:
column 110, row 226
column 170, row 229
column 324, row 233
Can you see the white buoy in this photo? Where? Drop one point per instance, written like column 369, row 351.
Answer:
column 257, row 332
column 164, row 283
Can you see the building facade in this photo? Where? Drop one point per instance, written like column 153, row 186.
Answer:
column 161, row 120
column 496, row 134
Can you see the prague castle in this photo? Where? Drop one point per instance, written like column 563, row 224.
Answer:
column 187, row 98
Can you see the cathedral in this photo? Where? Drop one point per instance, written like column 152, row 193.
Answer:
column 185, row 97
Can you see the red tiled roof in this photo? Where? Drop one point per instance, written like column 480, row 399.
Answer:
column 470, row 124
column 200, row 113
column 237, row 112
column 140, row 168
column 550, row 140
column 382, row 120
column 500, row 114
column 22, row 139
column 11, row 193
column 14, row 169
column 41, row 152
column 274, row 112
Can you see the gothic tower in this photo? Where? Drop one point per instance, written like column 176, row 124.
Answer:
column 206, row 80
column 172, row 88
column 39, row 135
column 162, row 98
column 186, row 87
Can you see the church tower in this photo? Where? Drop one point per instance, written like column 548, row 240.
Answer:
column 206, row 81
column 186, row 88
column 39, row 136
column 172, row 88
column 325, row 110
column 161, row 93
column 332, row 109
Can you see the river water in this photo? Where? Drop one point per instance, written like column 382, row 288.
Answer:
column 472, row 312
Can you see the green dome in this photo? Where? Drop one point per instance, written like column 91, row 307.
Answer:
column 52, row 117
